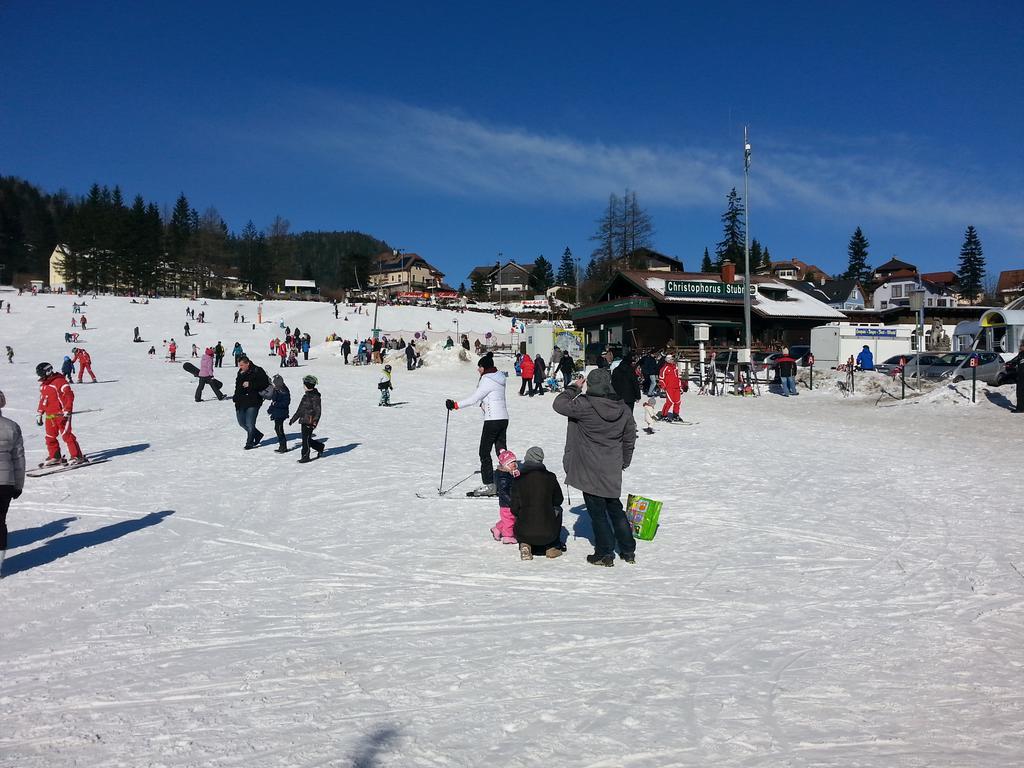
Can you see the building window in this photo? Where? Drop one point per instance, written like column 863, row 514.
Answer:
column 929, row 302
column 897, row 292
column 885, row 304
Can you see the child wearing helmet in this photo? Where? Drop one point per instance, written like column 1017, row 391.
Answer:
column 308, row 416
column 385, row 386
column 56, row 403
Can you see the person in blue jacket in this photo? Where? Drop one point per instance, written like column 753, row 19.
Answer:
column 67, row 368
column 280, row 401
column 305, row 347
column 866, row 360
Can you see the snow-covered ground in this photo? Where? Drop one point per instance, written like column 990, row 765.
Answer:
column 834, row 583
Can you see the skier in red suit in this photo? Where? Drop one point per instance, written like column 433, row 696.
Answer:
column 668, row 380
column 84, row 362
column 56, row 402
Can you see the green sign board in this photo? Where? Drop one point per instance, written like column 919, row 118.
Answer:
column 697, row 289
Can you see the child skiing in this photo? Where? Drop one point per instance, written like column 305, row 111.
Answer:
column 280, row 401
column 508, row 470
column 668, row 380
column 308, row 416
column 172, row 349
column 537, row 508
column 56, row 403
column 385, row 386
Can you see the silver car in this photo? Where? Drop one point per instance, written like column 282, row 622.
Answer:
column 990, row 367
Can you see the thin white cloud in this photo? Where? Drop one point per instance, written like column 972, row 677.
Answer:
column 457, row 155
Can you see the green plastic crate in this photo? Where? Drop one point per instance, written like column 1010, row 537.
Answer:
column 643, row 514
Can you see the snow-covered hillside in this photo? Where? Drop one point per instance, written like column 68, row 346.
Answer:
column 834, row 583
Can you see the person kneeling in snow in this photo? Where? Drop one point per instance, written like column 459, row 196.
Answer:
column 537, row 508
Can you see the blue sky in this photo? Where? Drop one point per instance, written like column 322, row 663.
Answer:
column 467, row 129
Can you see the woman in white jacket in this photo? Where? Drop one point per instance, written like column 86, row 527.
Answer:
column 490, row 395
column 12, row 471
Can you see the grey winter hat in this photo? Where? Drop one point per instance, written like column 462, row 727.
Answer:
column 599, row 383
column 534, row 455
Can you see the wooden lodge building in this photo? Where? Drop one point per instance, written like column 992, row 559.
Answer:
column 640, row 309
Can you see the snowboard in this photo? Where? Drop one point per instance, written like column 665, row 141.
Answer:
column 215, row 383
column 57, row 468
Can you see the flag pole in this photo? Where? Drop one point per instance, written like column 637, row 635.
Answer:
column 746, row 242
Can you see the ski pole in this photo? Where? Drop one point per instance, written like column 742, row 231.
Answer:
column 444, row 451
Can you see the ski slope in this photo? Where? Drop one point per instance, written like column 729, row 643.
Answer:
column 834, row 583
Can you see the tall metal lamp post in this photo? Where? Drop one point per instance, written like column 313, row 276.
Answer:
column 917, row 305
column 746, row 248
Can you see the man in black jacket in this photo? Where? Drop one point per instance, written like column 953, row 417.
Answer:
column 625, row 382
column 566, row 368
column 536, row 505
column 250, row 381
column 650, row 368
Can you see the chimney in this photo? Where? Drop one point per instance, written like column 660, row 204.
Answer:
column 728, row 272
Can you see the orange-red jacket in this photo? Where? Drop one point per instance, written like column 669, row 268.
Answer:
column 81, row 356
column 668, row 378
column 55, row 395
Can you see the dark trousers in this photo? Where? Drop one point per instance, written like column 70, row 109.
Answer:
column 214, row 385
column 218, row 360
column 492, row 436
column 608, row 519
column 526, row 388
column 538, row 384
column 346, row 357
column 308, row 442
column 247, row 421
column 282, row 441
column 6, row 494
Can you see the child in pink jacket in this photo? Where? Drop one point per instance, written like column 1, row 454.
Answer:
column 508, row 468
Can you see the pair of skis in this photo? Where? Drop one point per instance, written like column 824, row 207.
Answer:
column 54, row 469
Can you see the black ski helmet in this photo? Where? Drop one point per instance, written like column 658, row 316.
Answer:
column 387, row 368
column 43, row 370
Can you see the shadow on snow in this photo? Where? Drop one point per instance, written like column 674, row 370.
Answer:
column 66, row 545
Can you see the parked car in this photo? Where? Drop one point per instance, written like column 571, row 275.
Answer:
column 800, row 353
column 932, row 365
column 1008, row 375
column 991, row 367
column 891, row 365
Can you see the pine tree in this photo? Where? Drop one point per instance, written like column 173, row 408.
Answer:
column 705, row 263
column 756, row 255
column 462, row 288
column 766, row 261
column 543, row 276
column 971, row 274
column 637, row 228
column 731, row 246
column 857, row 267
column 566, row 269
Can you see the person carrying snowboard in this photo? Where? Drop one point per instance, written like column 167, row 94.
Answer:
column 385, row 386
column 280, row 402
column 56, row 403
column 206, row 377
column 84, row 362
column 490, row 395
column 308, row 416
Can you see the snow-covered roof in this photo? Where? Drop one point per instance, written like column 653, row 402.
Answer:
column 797, row 303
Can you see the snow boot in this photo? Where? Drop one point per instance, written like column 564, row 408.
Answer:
column 54, row 462
column 552, row 552
column 509, row 540
column 496, row 533
column 629, row 557
column 525, row 552
column 304, row 460
column 484, row 490
column 605, row 560
column 74, row 462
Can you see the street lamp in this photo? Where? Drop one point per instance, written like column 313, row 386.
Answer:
column 917, row 305
column 746, row 248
